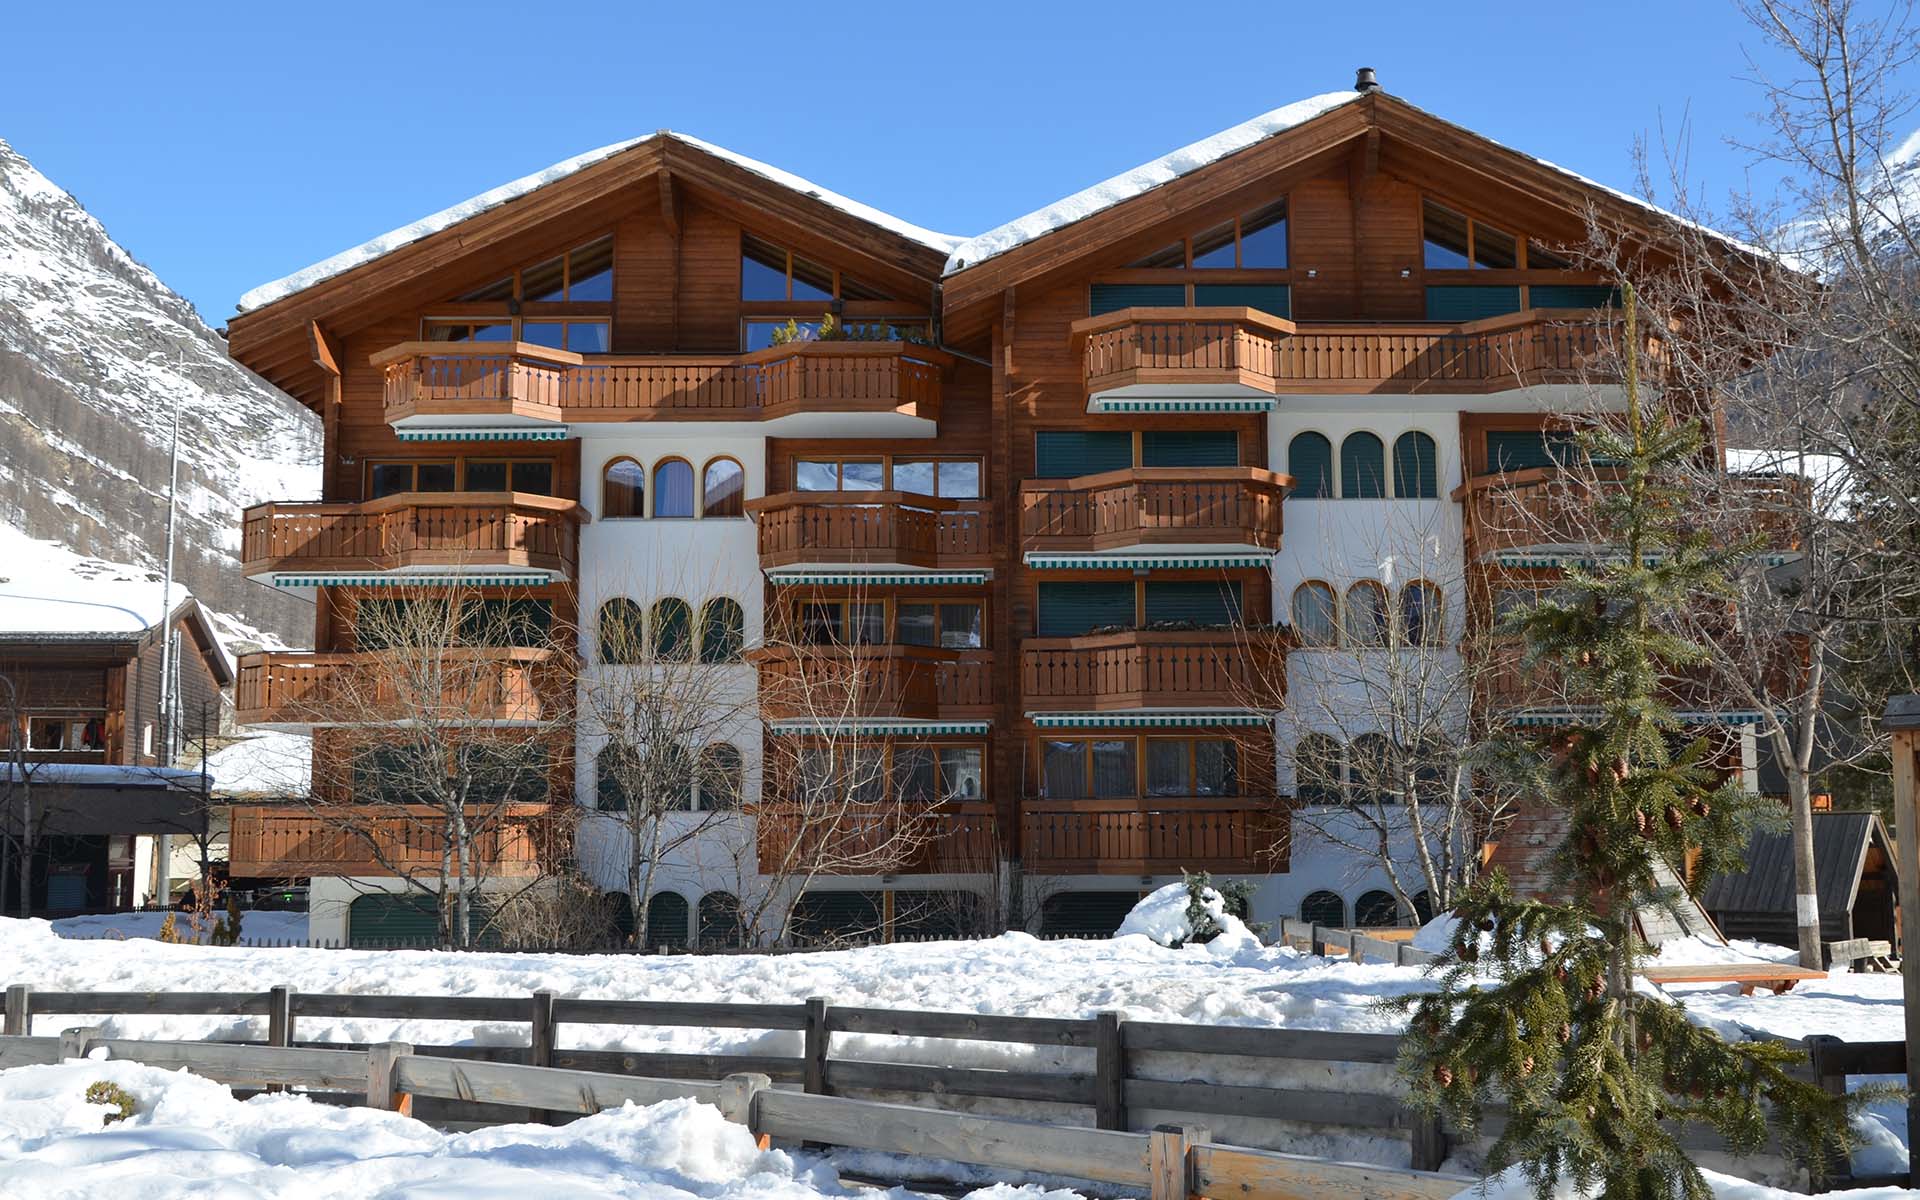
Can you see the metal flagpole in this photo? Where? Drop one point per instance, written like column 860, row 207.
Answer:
column 166, row 591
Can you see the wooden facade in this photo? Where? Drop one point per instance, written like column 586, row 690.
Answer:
column 1107, row 343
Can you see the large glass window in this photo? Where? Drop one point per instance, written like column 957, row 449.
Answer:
column 1314, row 611
column 951, row 625
column 721, row 777
column 843, row 623
column 723, row 489
column 622, row 627
column 623, row 491
column 672, row 630
column 1310, row 461
column 1317, row 769
column 1420, row 613
column 839, row 475
column 1252, row 241
column 1453, row 242
column 673, row 488
column 723, row 627
column 1366, row 614
column 1192, row 767
column 953, row 478
column 583, row 275
column 1363, row 467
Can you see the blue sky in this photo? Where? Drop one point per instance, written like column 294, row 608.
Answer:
column 228, row 144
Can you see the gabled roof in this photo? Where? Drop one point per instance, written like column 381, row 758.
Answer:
column 1765, row 885
column 376, row 248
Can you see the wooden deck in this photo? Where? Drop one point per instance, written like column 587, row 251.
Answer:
column 479, row 686
column 275, row 842
column 945, row 838
column 1161, row 835
column 1153, row 506
column 1545, row 509
column 1152, row 669
column 836, row 683
column 873, row 529
column 467, row 533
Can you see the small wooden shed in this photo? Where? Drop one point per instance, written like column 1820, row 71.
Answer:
column 1857, row 882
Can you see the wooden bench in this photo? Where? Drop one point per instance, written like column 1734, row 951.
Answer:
column 1780, row 977
column 1861, row 954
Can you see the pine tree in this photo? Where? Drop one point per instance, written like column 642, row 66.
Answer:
column 1534, row 1002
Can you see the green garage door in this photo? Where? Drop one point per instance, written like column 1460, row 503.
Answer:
column 1086, row 914
column 374, row 922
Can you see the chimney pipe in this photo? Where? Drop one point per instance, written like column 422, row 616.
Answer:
column 1364, row 81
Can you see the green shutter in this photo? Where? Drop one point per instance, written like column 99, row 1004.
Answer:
column 1200, row 602
column 411, row 920
column 1470, row 303
column 1086, row 914
column 1415, row 471
column 1310, row 462
column 1565, row 295
column 1065, row 453
column 1190, row 448
column 1111, row 297
column 1525, row 449
column 1363, row 467
column 1275, row 299
column 1070, row 609
column 824, row 916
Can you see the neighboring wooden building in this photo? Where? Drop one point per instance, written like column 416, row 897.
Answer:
column 1859, row 884
column 1043, row 493
column 80, row 696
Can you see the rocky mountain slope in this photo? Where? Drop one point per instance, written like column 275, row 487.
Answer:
column 94, row 350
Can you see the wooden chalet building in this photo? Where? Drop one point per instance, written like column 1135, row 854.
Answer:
column 1087, row 494
column 86, row 747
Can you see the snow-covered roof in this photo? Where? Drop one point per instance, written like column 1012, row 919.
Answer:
column 387, row 243
column 102, row 775
column 1141, row 179
column 271, row 764
column 49, row 592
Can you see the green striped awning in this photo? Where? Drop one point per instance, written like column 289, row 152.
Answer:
column 497, row 433
column 1042, row 561
column 879, row 727
column 1541, row 717
column 1149, row 719
column 1587, row 558
column 1178, row 404
column 886, row 578
column 438, row 579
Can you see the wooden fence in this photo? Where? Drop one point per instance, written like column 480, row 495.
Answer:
column 1114, row 1092
column 1170, row 1162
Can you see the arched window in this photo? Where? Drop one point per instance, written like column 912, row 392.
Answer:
column 1374, row 770
column 721, row 777
column 623, row 489
column 1416, row 468
column 611, row 769
column 1324, row 908
column 1375, row 909
column 723, row 630
column 673, row 488
column 1423, row 907
column 622, row 631
column 1363, row 467
column 672, row 630
column 720, row 921
column 1316, row 769
column 723, row 489
column 1310, row 462
column 1366, row 614
column 1314, row 615
column 1420, row 613
column 666, row 920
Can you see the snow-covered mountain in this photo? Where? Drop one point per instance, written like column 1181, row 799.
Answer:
column 93, row 351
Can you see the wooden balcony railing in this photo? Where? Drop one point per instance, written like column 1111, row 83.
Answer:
column 872, row 528
column 532, row 383
column 1154, row 669
column 1505, row 683
column 478, row 685
column 1146, row 506
column 463, row 532
column 1235, row 351
column 1152, row 836
column 1547, row 508
column 282, row 842
column 945, row 838
column 830, row 684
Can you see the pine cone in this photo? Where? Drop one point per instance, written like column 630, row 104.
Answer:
column 1641, row 822
column 1621, row 770
column 1485, row 924
column 1566, row 1033
column 1675, row 818
column 1526, row 1065
column 1596, row 989
column 1443, row 1075
column 1470, row 952
column 1700, row 807
column 1546, row 947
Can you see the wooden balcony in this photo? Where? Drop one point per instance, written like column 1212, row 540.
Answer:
column 830, row 685
column 951, row 838
column 1243, row 358
column 1506, row 686
column 1548, row 512
column 1145, row 354
column 872, row 530
column 287, row 842
column 825, row 389
column 465, row 686
column 1156, row 836
column 1153, row 669
column 1146, row 507
column 471, row 535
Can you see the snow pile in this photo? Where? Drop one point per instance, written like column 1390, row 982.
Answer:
column 1514, row 1185
column 189, row 1136
column 255, row 926
column 1164, row 918
column 446, row 218
column 1141, row 179
column 270, row 764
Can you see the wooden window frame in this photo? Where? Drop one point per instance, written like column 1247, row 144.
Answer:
column 887, row 749
column 459, row 463
column 886, row 463
column 68, row 718
column 518, row 273
column 1192, row 743
column 700, row 498
column 1140, row 740
column 938, row 461
column 1186, row 272
column 646, row 488
column 890, row 615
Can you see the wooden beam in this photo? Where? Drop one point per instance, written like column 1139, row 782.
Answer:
column 325, row 354
column 669, row 203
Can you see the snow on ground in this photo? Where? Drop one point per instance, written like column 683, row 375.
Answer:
column 1513, row 1185
column 189, row 1137
column 254, row 926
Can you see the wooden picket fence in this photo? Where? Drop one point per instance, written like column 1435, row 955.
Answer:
column 1169, row 1162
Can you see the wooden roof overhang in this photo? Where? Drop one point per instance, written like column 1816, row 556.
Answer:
column 292, row 342
column 1376, row 133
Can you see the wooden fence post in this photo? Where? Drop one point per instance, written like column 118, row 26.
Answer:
column 736, row 1101
column 817, row 1040
column 381, row 1092
column 1839, row 1167
column 540, row 1043
column 73, row 1042
column 280, row 1015
column 1109, row 1072
column 1429, row 1137
column 1316, row 944
column 1168, row 1163
column 19, row 1010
